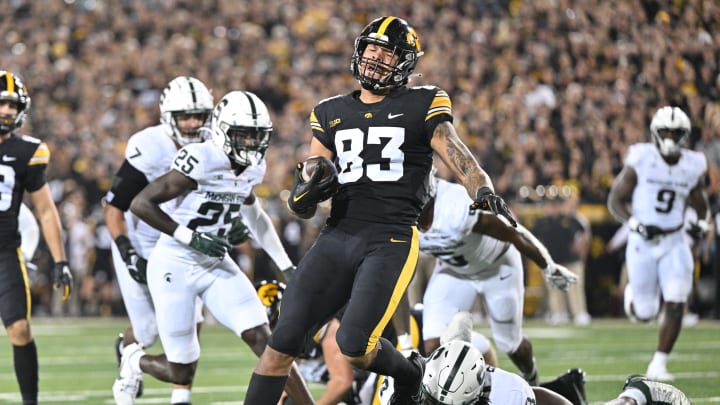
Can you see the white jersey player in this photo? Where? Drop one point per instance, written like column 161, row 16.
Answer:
column 456, row 373
column 651, row 193
column 217, row 208
column 185, row 108
column 478, row 254
column 472, row 383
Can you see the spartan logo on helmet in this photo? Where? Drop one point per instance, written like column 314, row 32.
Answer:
column 13, row 89
column 395, row 35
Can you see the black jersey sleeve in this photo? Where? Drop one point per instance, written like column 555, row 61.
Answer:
column 128, row 183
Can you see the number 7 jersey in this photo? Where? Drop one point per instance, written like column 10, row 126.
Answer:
column 382, row 151
column 660, row 196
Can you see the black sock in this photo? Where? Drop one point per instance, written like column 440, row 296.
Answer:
column 265, row 389
column 391, row 362
column 26, row 371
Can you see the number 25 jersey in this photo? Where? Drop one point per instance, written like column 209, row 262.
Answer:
column 216, row 201
column 661, row 193
column 382, row 151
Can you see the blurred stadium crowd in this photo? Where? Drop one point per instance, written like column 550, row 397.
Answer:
column 544, row 92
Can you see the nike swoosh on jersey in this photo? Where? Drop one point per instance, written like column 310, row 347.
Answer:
column 505, row 276
column 7, row 158
column 393, row 240
column 299, row 197
column 391, row 115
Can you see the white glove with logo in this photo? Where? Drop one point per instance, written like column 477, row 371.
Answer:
column 559, row 276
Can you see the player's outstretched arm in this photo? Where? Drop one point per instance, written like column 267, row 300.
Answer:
column 457, row 157
column 519, row 236
column 524, row 240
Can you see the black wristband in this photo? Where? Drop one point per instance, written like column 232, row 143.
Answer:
column 483, row 191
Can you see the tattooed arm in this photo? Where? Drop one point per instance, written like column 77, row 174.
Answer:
column 457, row 157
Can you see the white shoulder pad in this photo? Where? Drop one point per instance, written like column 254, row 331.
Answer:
column 195, row 160
column 328, row 99
column 151, row 151
column 636, row 153
column 254, row 175
column 426, row 87
column 698, row 161
column 29, row 138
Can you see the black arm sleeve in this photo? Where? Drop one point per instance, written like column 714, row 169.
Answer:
column 128, row 183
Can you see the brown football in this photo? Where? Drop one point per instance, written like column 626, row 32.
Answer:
column 313, row 163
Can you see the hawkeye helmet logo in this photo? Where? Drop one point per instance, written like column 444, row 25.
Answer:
column 368, row 115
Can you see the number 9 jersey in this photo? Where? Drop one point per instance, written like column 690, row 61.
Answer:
column 661, row 193
column 382, row 151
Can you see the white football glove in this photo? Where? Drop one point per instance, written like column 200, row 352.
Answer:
column 559, row 276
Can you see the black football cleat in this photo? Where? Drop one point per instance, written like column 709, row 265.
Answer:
column 409, row 394
column 570, row 385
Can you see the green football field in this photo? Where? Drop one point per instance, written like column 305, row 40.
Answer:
column 77, row 363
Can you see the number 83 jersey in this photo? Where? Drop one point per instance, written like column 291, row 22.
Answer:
column 661, row 193
column 216, row 201
column 382, row 151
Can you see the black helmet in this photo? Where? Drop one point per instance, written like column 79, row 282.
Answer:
column 12, row 88
column 392, row 33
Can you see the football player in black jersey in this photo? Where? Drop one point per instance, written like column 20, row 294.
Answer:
column 382, row 139
column 23, row 160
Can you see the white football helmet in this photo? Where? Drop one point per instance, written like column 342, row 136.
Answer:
column 184, row 96
column 455, row 375
column 241, row 127
column 670, row 128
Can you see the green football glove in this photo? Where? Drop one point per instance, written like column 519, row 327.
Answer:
column 238, row 233
column 210, row 244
